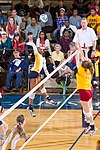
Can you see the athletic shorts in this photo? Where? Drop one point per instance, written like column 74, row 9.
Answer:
column 33, row 74
column 85, row 95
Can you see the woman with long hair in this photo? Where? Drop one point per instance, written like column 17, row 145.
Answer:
column 12, row 27
column 84, row 86
column 18, row 43
column 43, row 43
column 16, row 134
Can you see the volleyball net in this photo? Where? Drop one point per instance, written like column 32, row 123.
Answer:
column 20, row 101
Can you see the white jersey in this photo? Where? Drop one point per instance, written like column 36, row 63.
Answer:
column 40, row 61
column 11, row 140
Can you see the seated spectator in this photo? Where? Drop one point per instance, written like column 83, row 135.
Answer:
column 72, row 62
column 72, row 29
column 64, row 75
column 17, row 18
column 18, row 43
column 57, row 55
column 96, row 5
column 60, row 23
column 22, row 8
column 75, row 19
column 16, row 66
column 48, row 25
column 11, row 27
column 82, row 7
column 93, row 19
column 34, row 28
column 59, row 6
column 3, row 20
column 29, row 52
column 64, row 42
column 43, row 43
column 5, row 46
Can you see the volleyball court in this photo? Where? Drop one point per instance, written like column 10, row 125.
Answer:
column 54, row 128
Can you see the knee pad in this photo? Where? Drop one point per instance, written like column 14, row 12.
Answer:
column 88, row 115
column 43, row 90
column 32, row 96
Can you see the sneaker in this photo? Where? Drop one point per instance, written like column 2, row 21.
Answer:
column 92, row 132
column 31, row 111
column 51, row 102
column 6, row 89
column 15, row 90
column 87, row 129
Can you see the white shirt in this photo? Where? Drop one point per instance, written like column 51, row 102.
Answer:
column 74, row 29
column 86, row 37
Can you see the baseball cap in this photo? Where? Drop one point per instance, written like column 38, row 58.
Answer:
column 16, row 34
column 29, row 33
column 3, row 32
column 62, row 9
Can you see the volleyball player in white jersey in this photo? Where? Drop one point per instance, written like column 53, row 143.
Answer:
column 17, row 132
column 35, row 78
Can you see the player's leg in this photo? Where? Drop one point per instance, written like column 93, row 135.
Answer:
column 44, row 92
column 33, row 82
column 89, row 118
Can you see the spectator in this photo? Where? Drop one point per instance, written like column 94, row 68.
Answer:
column 59, row 6
column 43, row 43
column 17, row 18
column 64, row 42
column 16, row 66
column 48, row 25
column 34, row 28
column 72, row 62
column 18, row 43
column 98, row 32
column 29, row 52
column 3, row 20
column 64, row 75
column 22, row 8
column 86, row 36
column 75, row 20
column 93, row 19
column 82, row 7
column 96, row 5
column 72, row 29
column 5, row 46
column 57, row 55
column 60, row 23
column 11, row 28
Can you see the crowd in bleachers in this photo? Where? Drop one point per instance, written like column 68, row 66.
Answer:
column 59, row 25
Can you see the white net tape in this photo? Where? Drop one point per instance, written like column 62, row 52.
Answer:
column 36, row 87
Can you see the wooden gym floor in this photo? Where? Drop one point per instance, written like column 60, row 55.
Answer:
column 59, row 133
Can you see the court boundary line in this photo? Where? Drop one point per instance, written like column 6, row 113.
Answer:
column 35, row 133
column 36, row 87
column 82, row 133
